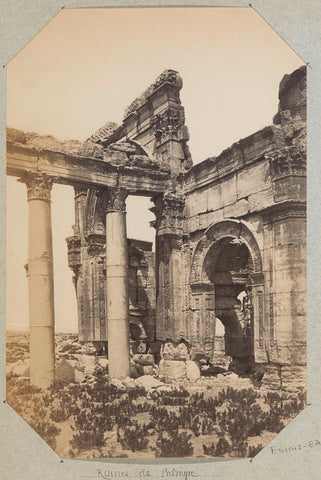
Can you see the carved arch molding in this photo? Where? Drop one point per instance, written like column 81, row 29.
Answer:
column 202, row 289
column 217, row 231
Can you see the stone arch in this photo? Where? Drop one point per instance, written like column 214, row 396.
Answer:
column 215, row 232
column 140, row 150
column 204, row 291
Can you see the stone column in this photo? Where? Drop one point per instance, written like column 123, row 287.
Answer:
column 40, row 280
column 169, row 230
column 117, row 283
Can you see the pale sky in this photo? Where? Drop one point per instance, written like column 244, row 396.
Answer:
column 87, row 65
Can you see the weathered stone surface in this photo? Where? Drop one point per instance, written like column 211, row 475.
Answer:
column 174, row 351
column 129, row 382
column 87, row 364
column 193, row 371
column 148, row 382
column 21, row 369
column 172, row 370
column 79, row 375
column 272, row 377
column 293, row 378
column 148, row 370
column 235, row 222
column 118, row 383
column 144, row 359
column 103, row 362
column 65, row 372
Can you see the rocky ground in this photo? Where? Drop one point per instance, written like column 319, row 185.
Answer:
column 86, row 414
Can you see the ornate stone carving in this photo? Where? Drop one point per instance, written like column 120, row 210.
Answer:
column 169, row 209
column 287, row 161
column 167, row 123
column 39, row 186
column 260, row 302
column 114, row 200
column 80, row 191
column 96, row 245
column 227, row 228
column 74, row 254
column 271, row 312
column 284, row 211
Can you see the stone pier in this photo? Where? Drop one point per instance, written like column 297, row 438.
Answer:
column 117, row 283
column 40, row 280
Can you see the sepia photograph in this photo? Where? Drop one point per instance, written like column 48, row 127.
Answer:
column 156, row 233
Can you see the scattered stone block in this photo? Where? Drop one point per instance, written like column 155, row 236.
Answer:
column 21, row 369
column 172, row 370
column 65, row 372
column 102, row 362
column 87, row 363
column 193, row 371
column 174, row 351
column 79, row 376
column 129, row 382
column 118, row 383
column 148, row 370
column 144, row 359
column 148, row 382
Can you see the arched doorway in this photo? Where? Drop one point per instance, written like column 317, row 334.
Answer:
column 229, row 266
column 227, row 283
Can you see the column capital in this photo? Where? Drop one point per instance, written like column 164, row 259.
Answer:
column 38, row 184
column 114, row 199
column 169, row 209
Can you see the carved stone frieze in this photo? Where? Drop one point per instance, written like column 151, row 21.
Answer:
column 289, row 160
column 283, row 211
column 39, row 185
column 167, row 124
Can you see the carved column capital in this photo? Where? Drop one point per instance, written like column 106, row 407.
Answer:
column 80, row 191
column 169, row 209
column 114, row 199
column 289, row 160
column 39, row 186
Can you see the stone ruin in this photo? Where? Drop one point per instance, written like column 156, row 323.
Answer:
column 230, row 240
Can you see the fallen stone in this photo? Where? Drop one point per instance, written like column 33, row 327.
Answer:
column 172, row 370
column 79, row 376
column 144, row 359
column 148, row 382
column 148, row 370
column 129, row 382
column 65, row 372
column 87, row 363
column 118, row 384
column 21, row 369
column 102, row 362
column 193, row 371
column 172, row 351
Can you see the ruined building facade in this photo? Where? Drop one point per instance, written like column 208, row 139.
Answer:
column 230, row 238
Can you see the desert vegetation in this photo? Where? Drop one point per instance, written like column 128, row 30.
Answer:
column 98, row 418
